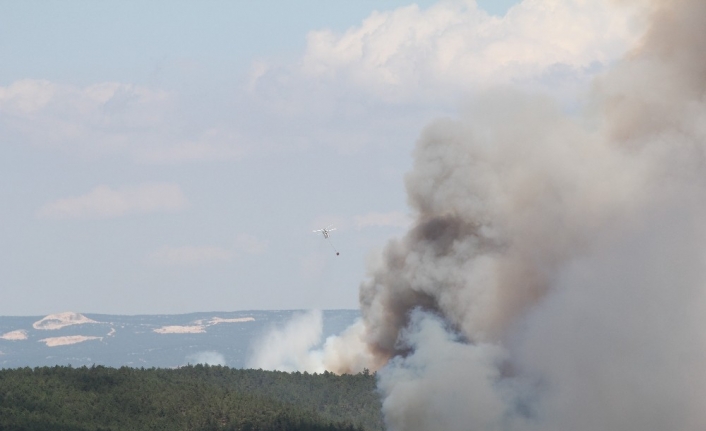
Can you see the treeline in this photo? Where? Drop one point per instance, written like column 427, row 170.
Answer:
column 199, row 398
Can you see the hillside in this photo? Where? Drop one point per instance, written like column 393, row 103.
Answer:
column 200, row 398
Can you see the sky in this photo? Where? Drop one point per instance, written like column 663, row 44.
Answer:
column 174, row 157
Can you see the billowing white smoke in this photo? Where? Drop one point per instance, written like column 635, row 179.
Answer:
column 290, row 348
column 297, row 346
column 445, row 383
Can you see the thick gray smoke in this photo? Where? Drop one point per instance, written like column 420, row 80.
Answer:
column 555, row 277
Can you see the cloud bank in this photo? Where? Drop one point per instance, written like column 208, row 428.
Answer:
column 344, row 91
column 412, row 54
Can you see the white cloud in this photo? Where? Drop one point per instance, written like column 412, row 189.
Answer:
column 391, row 219
column 189, row 255
column 377, row 83
column 104, row 202
column 26, row 96
column 345, row 91
column 411, row 54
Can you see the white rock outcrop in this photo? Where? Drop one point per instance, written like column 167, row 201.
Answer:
column 71, row 339
column 18, row 335
column 60, row 320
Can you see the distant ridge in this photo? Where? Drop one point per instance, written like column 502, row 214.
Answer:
column 163, row 341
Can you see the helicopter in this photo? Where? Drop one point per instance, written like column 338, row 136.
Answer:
column 326, row 232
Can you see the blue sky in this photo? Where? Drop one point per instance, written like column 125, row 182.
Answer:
column 173, row 157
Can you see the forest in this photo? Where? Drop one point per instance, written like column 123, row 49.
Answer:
column 198, row 398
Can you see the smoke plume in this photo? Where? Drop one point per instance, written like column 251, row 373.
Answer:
column 289, row 348
column 554, row 276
